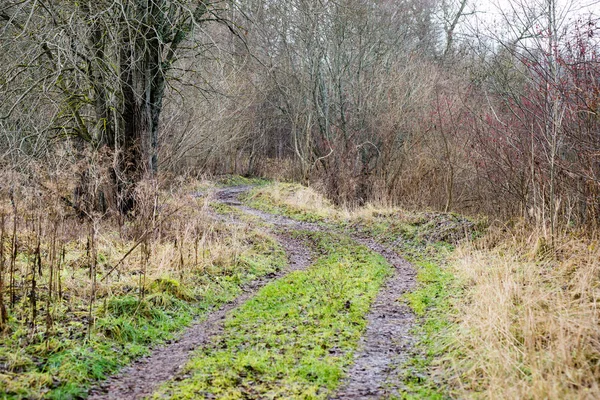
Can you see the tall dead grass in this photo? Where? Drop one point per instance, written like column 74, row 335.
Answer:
column 310, row 199
column 528, row 324
column 53, row 256
column 298, row 198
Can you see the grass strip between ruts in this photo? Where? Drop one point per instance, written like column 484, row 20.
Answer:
column 437, row 289
column 295, row 338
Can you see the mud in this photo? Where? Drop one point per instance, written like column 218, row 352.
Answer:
column 385, row 346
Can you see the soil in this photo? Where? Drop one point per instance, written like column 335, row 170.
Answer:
column 381, row 351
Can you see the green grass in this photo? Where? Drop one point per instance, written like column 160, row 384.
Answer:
column 237, row 180
column 226, row 209
column 65, row 364
column 62, row 369
column 296, row 336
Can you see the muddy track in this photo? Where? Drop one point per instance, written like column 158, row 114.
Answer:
column 144, row 376
column 382, row 349
column 386, row 344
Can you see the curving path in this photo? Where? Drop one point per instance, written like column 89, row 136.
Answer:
column 383, row 347
column 144, row 376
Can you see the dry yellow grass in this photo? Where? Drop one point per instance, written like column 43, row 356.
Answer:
column 300, row 198
column 528, row 324
column 308, row 199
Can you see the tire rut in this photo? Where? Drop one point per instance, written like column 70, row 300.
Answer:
column 382, row 350
column 386, row 343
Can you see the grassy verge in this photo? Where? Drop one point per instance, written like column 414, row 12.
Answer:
column 295, row 337
column 193, row 265
column 292, row 200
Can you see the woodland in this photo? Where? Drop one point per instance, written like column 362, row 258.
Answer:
column 291, row 164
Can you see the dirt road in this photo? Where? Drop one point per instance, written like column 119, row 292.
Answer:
column 382, row 349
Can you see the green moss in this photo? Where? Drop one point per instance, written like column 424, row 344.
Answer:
column 296, row 336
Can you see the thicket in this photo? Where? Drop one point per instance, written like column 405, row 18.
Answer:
column 396, row 102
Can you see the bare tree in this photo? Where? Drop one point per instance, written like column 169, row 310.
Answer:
column 99, row 71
